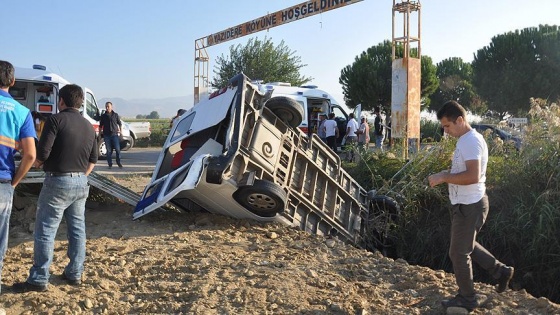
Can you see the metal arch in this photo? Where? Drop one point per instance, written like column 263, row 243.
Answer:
column 291, row 14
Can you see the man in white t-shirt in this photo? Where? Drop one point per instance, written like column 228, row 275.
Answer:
column 469, row 203
column 331, row 132
column 351, row 136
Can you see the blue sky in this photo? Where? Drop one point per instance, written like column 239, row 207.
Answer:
column 145, row 48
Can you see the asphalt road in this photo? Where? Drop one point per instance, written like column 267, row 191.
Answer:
column 134, row 161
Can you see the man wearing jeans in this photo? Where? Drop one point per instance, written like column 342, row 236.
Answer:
column 351, row 136
column 16, row 128
column 467, row 193
column 67, row 151
column 111, row 124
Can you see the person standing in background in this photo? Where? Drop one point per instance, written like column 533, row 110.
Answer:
column 469, row 205
column 363, row 134
column 16, row 130
column 67, row 152
column 174, row 118
column 331, row 132
column 321, row 130
column 351, row 136
column 378, row 129
column 111, row 124
column 39, row 122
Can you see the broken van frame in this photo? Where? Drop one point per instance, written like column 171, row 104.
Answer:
column 232, row 155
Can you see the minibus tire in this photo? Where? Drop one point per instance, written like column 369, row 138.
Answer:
column 263, row 198
column 384, row 214
column 287, row 109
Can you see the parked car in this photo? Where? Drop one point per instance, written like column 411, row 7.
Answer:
column 139, row 130
column 495, row 131
column 235, row 155
column 126, row 137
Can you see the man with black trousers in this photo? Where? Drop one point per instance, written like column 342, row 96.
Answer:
column 111, row 124
column 466, row 181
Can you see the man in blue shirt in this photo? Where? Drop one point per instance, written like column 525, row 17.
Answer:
column 16, row 131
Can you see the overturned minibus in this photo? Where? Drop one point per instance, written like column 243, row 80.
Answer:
column 234, row 155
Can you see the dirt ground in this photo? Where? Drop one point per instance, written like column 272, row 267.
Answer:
column 172, row 262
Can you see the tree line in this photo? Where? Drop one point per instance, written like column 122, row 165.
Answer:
column 153, row 115
column 502, row 77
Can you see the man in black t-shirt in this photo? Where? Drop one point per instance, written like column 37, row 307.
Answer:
column 67, row 151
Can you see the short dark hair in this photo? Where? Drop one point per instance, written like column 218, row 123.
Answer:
column 376, row 109
column 452, row 110
column 7, row 74
column 72, row 95
column 331, row 115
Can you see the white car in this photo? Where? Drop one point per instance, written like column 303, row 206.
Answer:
column 139, row 130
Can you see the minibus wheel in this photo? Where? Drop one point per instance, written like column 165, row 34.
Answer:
column 384, row 214
column 263, row 198
column 287, row 109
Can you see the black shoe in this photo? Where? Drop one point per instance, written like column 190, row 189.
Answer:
column 120, row 165
column 506, row 274
column 70, row 281
column 22, row 287
column 110, row 166
column 462, row 302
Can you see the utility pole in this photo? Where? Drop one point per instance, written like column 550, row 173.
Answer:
column 406, row 77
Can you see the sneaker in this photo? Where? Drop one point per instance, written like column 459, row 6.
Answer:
column 22, row 287
column 506, row 274
column 70, row 281
column 120, row 165
column 462, row 302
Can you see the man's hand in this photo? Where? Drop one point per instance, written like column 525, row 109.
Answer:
column 27, row 159
column 37, row 164
column 438, row 178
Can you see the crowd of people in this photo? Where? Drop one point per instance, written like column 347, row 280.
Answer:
column 356, row 135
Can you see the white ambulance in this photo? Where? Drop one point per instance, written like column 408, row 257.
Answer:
column 313, row 101
column 37, row 89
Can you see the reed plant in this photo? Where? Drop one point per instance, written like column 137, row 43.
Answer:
column 524, row 191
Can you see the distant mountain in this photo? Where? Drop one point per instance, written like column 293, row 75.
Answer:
column 166, row 107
